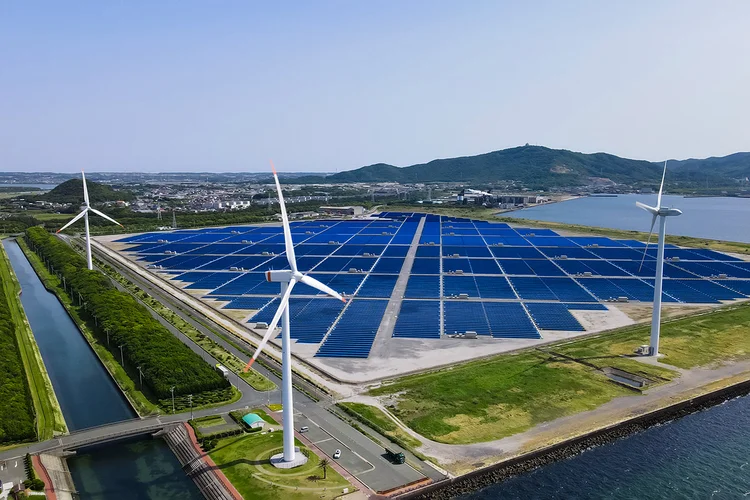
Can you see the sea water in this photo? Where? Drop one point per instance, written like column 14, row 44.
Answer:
column 703, row 455
column 714, row 218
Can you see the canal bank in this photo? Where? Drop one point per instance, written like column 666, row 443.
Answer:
column 89, row 397
column 87, row 394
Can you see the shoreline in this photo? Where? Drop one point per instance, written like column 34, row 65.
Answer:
column 497, row 473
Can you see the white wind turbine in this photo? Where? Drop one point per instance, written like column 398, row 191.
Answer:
column 662, row 213
column 85, row 214
column 287, row 279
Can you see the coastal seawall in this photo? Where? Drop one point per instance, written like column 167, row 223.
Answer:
column 501, row 471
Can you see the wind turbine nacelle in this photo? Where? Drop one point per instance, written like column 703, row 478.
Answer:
column 280, row 276
column 668, row 212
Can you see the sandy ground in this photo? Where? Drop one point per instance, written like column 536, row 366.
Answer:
column 463, row 458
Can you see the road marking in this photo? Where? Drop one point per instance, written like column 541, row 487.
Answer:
column 322, row 441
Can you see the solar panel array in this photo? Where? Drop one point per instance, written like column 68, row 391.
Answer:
column 465, row 275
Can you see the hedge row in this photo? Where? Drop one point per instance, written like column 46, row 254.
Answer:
column 16, row 406
column 164, row 360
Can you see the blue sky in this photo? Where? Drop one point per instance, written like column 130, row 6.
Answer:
column 325, row 86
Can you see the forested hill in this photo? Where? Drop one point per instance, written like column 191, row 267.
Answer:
column 71, row 191
column 545, row 167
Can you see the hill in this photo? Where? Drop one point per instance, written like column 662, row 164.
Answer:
column 538, row 166
column 71, row 191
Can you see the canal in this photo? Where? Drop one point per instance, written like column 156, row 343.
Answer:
column 88, row 397
column 87, row 394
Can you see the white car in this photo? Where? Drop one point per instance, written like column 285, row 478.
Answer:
column 337, row 454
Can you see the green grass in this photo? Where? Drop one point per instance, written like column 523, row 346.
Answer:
column 49, row 417
column 499, row 397
column 375, row 418
column 493, row 398
column 704, row 339
column 275, row 407
column 244, row 460
column 209, row 421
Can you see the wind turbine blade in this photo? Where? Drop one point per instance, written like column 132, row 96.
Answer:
column 650, row 233
column 288, row 243
column 73, row 220
column 647, row 208
column 272, row 326
column 100, row 214
column 661, row 188
column 85, row 191
column 310, row 281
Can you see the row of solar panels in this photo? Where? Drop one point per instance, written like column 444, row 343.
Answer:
column 353, row 332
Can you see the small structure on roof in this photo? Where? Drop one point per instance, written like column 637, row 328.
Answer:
column 253, row 421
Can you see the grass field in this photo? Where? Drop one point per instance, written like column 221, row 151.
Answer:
column 507, row 394
column 375, row 418
column 244, row 460
column 49, row 417
column 209, row 421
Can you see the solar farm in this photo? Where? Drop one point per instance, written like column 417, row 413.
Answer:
column 426, row 289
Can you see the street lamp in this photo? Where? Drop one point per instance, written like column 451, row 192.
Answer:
column 172, row 389
column 140, row 376
column 107, row 330
column 122, row 356
column 190, row 400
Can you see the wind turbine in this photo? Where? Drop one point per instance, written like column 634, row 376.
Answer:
column 85, row 214
column 662, row 213
column 287, row 279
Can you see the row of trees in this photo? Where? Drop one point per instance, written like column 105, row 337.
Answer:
column 16, row 407
column 127, row 326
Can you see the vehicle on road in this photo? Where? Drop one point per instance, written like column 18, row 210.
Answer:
column 397, row 457
column 337, row 454
column 304, row 429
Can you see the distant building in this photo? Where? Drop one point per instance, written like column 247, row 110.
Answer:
column 353, row 210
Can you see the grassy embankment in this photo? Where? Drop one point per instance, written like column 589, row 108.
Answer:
column 244, row 460
column 126, row 384
column 507, row 394
column 49, row 417
column 256, row 380
column 382, row 423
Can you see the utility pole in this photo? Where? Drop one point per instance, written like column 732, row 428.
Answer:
column 122, row 356
column 190, row 400
column 107, row 330
column 140, row 376
column 172, row 389
column 174, row 219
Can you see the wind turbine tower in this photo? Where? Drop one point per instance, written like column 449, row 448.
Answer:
column 85, row 214
column 661, row 213
column 287, row 279
column 174, row 219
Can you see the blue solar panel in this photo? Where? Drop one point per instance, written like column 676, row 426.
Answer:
column 462, row 316
column 353, row 335
column 553, row 316
column 453, row 286
column 509, row 320
column 426, row 266
column 418, row 319
column 388, row 265
column 247, row 303
column 378, row 286
column 423, row 287
column 494, row 287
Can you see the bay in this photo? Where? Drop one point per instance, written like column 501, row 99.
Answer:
column 715, row 218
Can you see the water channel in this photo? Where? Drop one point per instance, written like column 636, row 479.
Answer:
column 88, row 397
